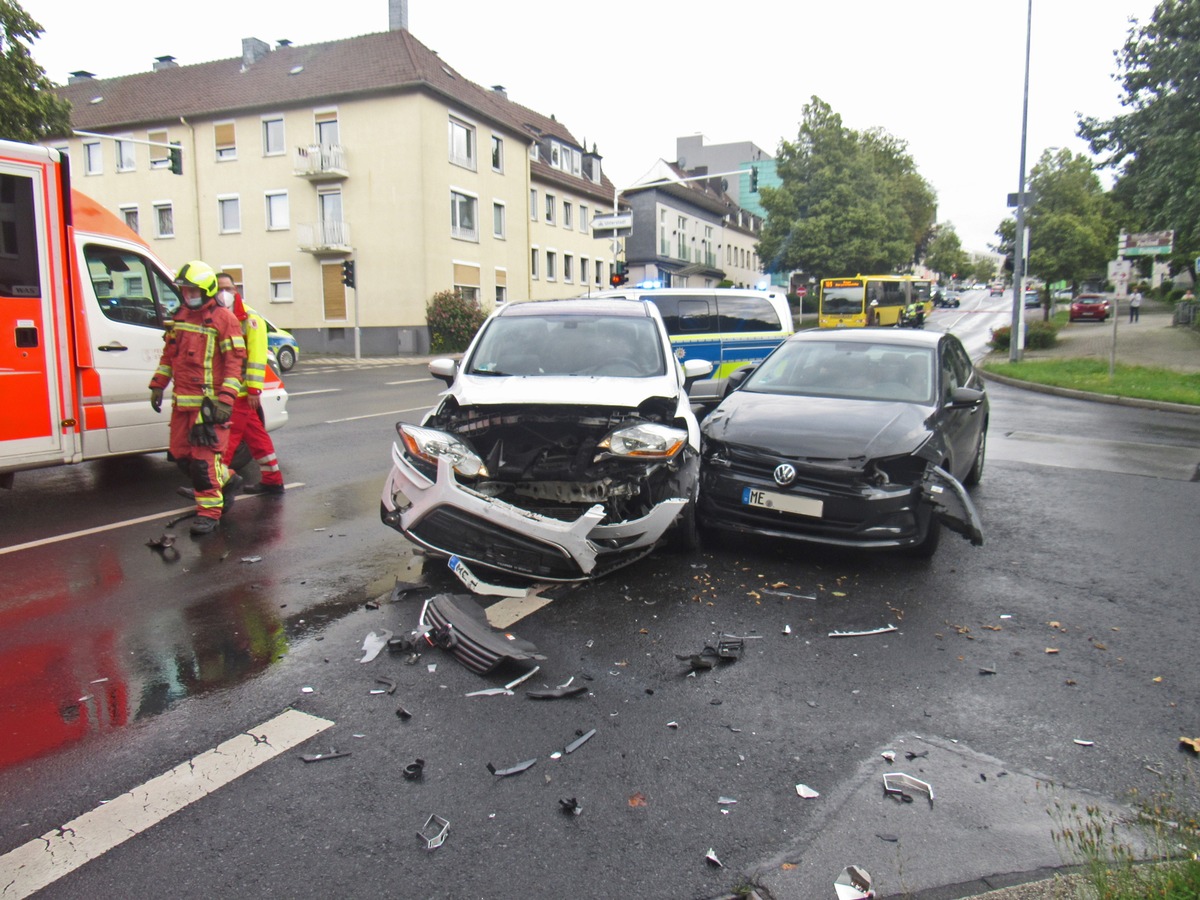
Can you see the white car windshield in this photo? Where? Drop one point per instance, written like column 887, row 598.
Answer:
column 847, row 370
column 621, row 346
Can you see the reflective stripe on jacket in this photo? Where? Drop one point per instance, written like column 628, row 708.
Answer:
column 254, row 330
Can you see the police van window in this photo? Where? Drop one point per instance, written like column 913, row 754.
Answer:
column 745, row 314
column 124, row 285
column 695, row 316
column 19, row 272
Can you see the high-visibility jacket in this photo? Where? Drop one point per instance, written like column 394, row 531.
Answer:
column 203, row 354
column 254, row 330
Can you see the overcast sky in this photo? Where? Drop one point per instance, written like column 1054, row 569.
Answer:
column 632, row 75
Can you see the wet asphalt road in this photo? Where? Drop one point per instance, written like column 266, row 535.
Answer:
column 197, row 651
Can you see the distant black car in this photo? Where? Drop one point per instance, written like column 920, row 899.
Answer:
column 849, row 438
column 947, row 299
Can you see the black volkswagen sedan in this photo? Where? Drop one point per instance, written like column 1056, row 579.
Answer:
column 849, row 438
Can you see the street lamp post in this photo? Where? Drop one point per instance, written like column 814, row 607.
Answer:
column 1016, row 336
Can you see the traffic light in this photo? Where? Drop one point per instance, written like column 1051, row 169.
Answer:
column 348, row 273
column 754, row 179
column 619, row 276
column 176, row 153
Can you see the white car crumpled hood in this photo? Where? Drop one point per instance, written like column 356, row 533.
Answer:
column 560, row 390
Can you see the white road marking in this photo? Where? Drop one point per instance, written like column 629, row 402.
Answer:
column 44, row 860
column 112, row 526
column 319, row 391
column 511, row 610
column 393, row 412
column 407, row 381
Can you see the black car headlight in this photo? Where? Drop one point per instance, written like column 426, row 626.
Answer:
column 907, row 470
column 428, row 445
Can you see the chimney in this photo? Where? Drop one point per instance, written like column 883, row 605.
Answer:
column 397, row 15
column 164, row 62
column 283, row 42
column 253, row 50
column 81, row 75
column 499, row 89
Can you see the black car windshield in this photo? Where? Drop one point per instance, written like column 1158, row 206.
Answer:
column 622, row 346
column 847, row 370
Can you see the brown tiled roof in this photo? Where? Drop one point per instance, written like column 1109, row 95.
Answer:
column 387, row 62
column 542, row 171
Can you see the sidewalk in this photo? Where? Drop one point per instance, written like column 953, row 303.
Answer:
column 1152, row 341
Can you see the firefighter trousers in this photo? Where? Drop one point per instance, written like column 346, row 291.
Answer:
column 246, row 425
column 204, row 465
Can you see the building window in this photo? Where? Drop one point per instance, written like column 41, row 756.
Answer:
column 327, row 132
column 160, row 157
column 225, row 140
column 466, row 281
column 126, row 157
column 229, row 215
column 164, row 219
column 497, row 154
column 551, row 265
column 278, row 218
column 234, row 272
column 583, row 218
column 501, row 287
column 272, row 134
column 599, row 271
column 93, row 159
column 462, row 217
column 533, row 264
column 533, row 204
column 584, row 269
column 129, row 214
column 567, row 214
column 568, row 268
column 462, row 144
column 551, row 203
column 279, row 276
column 498, row 220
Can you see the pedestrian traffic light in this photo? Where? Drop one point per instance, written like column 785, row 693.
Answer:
column 754, row 179
column 348, row 273
column 176, row 153
column 619, row 276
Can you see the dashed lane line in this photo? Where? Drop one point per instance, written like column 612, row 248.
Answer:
column 44, row 860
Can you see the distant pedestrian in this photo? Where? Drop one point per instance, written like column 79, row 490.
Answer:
column 1135, row 306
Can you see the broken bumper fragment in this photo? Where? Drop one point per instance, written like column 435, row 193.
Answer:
column 458, row 624
column 449, row 518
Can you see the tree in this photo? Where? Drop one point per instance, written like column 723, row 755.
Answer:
column 848, row 202
column 946, row 255
column 1072, row 221
column 1153, row 145
column 29, row 109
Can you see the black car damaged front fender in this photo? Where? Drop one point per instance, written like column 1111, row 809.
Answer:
column 951, row 504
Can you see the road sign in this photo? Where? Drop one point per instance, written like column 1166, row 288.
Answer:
column 1146, row 243
column 612, row 222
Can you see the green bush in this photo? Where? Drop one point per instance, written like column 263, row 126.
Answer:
column 1039, row 335
column 453, row 321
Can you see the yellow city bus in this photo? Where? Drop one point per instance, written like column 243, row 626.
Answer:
column 844, row 302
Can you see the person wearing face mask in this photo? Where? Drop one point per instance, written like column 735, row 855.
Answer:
column 246, row 423
column 203, row 354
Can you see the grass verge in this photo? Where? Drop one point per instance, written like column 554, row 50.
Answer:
column 1091, row 375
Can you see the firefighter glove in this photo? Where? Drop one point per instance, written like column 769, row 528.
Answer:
column 204, row 431
column 222, row 412
column 156, row 398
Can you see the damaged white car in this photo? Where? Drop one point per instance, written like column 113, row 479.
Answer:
column 565, row 448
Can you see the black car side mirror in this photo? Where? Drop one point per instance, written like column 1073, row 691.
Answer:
column 965, row 398
column 735, row 379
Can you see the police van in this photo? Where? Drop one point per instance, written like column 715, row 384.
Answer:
column 729, row 327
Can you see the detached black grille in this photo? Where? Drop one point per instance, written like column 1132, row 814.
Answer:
column 757, row 467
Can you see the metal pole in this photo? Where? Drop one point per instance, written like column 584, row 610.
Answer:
column 1016, row 340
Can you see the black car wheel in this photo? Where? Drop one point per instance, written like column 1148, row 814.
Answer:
column 976, row 472
column 286, row 357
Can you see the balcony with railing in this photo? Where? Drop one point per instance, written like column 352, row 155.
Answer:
column 328, row 237
column 321, row 162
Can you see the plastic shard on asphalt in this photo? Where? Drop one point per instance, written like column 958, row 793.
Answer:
column 433, row 832
column 900, row 785
column 373, row 643
column 854, row 883
column 884, row 630
column 579, row 741
column 511, row 770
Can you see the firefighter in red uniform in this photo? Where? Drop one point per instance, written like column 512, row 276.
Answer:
column 246, row 423
column 203, row 354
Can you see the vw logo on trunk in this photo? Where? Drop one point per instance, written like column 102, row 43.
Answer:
column 785, row 474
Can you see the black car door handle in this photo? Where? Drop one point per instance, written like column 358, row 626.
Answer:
column 112, row 347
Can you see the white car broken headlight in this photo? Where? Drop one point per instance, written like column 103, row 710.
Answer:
column 646, row 441
column 430, row 445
